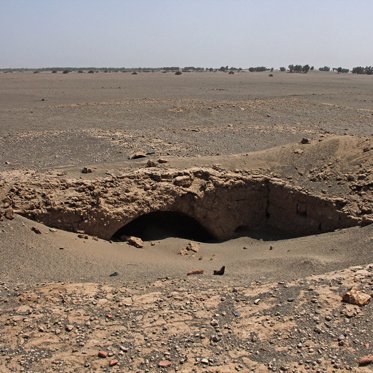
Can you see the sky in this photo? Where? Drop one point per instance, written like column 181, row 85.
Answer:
column 206, row 33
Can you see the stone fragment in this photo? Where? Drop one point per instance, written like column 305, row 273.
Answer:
column 9, row 214
column 69, row 328
column 86, row 170
column 219, row 272
column 36, row 230
column 164, row 364
column 113, row 362
column 356, row 297
column 183, row 181
column 305, row 140
column 137, row 155
column 195, row 272
column 365, row 360
column 102, row 354
column 135, row 241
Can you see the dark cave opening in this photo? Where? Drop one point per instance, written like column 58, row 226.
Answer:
column 164, row 224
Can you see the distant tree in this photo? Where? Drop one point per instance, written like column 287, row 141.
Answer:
column 342, row 70
column 258, row 69
column 325, row 68
column 306, row 68
column 312, row 68
column 299, row 69
column 282, row 69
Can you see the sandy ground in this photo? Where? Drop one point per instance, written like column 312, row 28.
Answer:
column 72, row 302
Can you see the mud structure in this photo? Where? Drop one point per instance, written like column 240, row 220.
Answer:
column 201, row 204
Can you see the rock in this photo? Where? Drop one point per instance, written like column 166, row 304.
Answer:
column 164, row 364
column 356, row 297
column 150, row 163
column 137, row 155
column 256, row 301
column 183, row 181
column 365, row 360
column 113, row 362
column 204, row 361
column 193, row 247
column 36, row 230
column 9, row 214
column 161, row 160
column 220, row 272
column 86, row 170
column 195, row 272
column 69, row 328
column 102, row 354
column 305, row 140
column 135, row 241
column 114, row 274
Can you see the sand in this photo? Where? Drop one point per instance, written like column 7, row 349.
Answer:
column 278, row 172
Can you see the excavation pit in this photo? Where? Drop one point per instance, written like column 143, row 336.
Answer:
column 197, row 204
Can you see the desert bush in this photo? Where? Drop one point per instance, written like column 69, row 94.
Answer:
column 178, row 73
column 134, row 73
column 282, row 69
column 65, row 71
column 325, row 68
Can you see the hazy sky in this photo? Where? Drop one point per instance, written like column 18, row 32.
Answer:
column 132, row 33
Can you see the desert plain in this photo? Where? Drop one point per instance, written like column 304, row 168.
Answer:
column 206, row 222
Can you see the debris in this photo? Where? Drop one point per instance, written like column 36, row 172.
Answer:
column 354, row 296
column 220, row 272
column 196, row 272
column 36, row 230
column 113, row 274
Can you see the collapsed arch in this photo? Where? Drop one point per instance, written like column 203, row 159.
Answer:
column 164, row 224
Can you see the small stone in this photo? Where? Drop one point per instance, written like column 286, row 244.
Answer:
column 204, row 361
column 36, row 230
column 86, row 170
column 305, row 140
column 365, row 360
column 256, row 301
column 102, row 354
column 164, row 364
column 9, row 214
column 113, row 362
column 161, row 160
column 195, row 272
column 137, row 155
column 69, row 328
column 135, row 241
column 354, row 296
